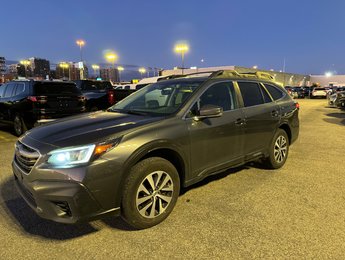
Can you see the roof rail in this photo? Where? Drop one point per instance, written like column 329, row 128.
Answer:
column 258, row 74
column 226, row 73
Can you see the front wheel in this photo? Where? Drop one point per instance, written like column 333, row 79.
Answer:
column 150, row 192
column 278, row 150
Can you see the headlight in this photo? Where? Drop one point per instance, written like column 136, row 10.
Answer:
column 71, row 156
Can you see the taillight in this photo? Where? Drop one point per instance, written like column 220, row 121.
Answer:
column 38, row 99
column 111, row 97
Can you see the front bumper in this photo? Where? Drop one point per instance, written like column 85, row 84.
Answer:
column 64, row 201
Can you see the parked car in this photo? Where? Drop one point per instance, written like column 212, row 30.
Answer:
column 289, row 91
column 100, row 94
column 27, row 103
column 333, row 99
column 297, row 92
column 340, row 100
column 132, row 159
column 319, row 92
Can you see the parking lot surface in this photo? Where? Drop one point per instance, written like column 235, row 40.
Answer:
column 248, row 212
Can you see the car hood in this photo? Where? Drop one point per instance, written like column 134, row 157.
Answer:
column 87, row 128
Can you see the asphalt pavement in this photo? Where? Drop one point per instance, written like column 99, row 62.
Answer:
column 244, row 213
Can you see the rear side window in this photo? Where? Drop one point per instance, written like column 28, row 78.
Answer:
column 251, row 93
column 51, row 88
column 19, row 89
column 275, row 92
column 2, row 88
column 9, row 90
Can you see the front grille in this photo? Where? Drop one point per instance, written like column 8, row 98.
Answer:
column 25, row 157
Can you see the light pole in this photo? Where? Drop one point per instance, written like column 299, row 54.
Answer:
column 111, row 57
column 64, row 66
column 142, row 71
column 80, row 43
column 181, row 48
column 25, row 63
column 120, row 68
column 95, row 67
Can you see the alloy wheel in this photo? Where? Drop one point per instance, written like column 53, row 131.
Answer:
column 280, row 149
column 154, row 194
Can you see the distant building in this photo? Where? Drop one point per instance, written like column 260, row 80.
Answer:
column 72, row 71
column 111, row 74
column 328, row 80
column 2, row 69
column 40, row 68
column 17, row 70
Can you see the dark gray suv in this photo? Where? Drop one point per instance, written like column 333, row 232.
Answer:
column 132, row 159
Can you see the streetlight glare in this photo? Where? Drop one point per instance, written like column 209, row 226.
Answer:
column 111, row 57
column 328, row 74
column 95, row 66
column 142, row 70
column 120, row 68
column 64, row 65
column 81, row 43
column 181, row 48
column 25, row 62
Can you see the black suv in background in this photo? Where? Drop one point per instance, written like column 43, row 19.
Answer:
column 132, row 159
column 27, row 103
column 100, row 94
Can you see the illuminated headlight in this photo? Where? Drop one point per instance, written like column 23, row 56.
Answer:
column 71, row 156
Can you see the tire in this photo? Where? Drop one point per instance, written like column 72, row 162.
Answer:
column 19, row 126
column 151, row 182
column 278, row 150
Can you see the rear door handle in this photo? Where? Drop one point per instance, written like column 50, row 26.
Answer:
column 240, row 121
column 275, row 113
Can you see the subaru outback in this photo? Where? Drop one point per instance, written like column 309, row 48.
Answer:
column 133, row 159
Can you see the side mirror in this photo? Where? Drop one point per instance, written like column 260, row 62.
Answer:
column 209, row 111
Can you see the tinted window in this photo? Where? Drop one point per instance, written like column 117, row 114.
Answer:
column 19, row 89
column 2, row 88
column 46, row 88
column 251, row 93
column 220, row 94
column 9, row 89
column 267, row 98
column 275, row 92
column 94, row 85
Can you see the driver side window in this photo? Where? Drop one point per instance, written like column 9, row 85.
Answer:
column 220, row 94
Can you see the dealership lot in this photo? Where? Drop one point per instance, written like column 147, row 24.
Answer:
column 248, row 212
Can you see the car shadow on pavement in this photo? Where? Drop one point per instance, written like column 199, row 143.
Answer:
column 335, row 118
column 19, row 214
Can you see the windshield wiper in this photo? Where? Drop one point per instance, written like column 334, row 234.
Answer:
column 135, row 112
column 127, row 111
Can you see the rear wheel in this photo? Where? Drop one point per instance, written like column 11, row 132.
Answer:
column 19, row 125
column 150, row 192
column 278, row 150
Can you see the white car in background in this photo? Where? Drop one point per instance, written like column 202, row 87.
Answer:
column 319, row 92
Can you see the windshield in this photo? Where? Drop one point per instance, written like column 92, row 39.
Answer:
column 159, row 99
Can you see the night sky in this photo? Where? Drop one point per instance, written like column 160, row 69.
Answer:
column 310, row 35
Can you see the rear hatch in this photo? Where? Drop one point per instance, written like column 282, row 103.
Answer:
column 57, row 99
